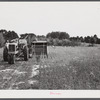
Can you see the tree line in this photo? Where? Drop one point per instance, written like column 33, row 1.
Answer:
column 53, row 38
column 64, row 39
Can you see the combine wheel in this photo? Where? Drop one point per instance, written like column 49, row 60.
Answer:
column 25, row 52
column 5, row 54
column 30, row 53
column 11, row 58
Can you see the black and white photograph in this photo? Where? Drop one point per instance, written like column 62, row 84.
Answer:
column 50, row 46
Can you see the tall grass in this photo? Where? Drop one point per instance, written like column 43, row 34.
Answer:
column 71, row 68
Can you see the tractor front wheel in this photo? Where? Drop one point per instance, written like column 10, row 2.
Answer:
column 25, row 52
column 11, row 58
column 5, row 54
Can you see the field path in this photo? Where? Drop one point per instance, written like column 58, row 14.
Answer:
column 19, row 75
column 65, row 68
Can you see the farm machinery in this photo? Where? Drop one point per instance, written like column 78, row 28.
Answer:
column 19, row 47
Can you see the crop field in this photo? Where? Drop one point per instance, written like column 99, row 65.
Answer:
column 65, row 68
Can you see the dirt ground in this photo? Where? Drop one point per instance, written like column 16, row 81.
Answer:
column 19, row 75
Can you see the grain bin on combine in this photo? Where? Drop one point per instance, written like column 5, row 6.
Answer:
column 20, row 47
column 40, row 48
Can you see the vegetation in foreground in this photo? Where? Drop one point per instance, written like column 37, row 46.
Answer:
column 71, row 68
column 65, row 68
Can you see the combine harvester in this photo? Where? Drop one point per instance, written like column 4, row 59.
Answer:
column 20, row 47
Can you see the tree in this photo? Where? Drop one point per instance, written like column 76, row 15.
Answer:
column 8, row 35
column 92, row 40
column 87, row 39
column 98, row 41
column 2, row 40
column 95, row 38
column 41, row 37
column 53, row 35
column 58, row 35
column 11, row 35
column 81, row 39
column 4, row 32
column 50, row 41
column 63, row 35
column 24, row 35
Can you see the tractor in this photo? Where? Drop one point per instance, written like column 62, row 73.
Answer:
column 20, row 47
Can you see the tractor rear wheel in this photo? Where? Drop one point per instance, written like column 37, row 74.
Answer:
column 25, row 52
column 11, row 58
column 5, row 54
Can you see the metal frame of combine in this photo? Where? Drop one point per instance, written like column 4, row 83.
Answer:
column 40, row 48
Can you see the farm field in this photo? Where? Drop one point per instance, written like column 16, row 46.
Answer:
column 65, row 68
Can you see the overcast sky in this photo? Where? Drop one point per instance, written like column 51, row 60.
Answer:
column 75, row 18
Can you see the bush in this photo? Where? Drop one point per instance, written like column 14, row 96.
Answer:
column 63, row 42
column 66, row 42
column 74, row 43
